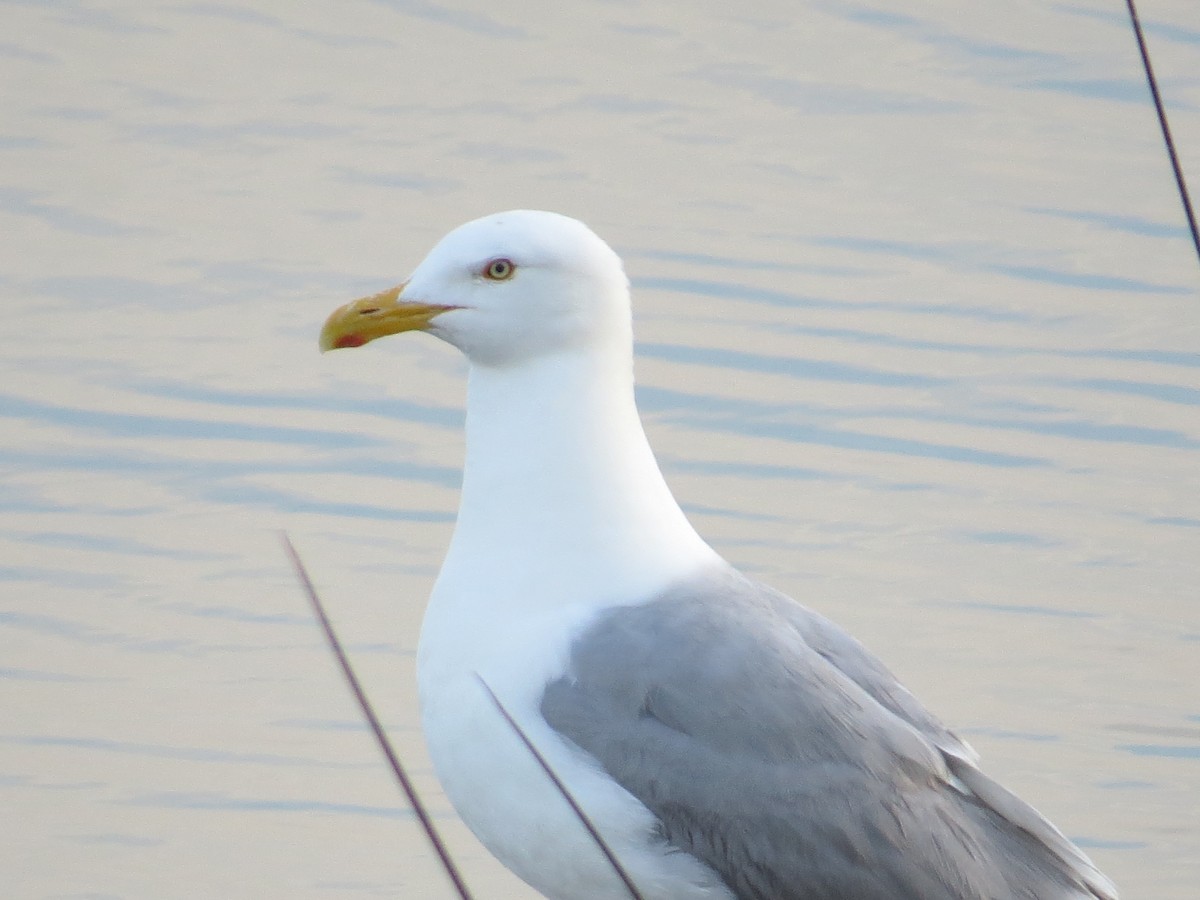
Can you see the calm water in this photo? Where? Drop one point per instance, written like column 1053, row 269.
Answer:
column 919, row 343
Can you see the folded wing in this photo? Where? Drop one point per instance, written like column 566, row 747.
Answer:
column 774, row 747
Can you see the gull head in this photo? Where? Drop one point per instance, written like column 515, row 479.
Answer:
column 503, row 289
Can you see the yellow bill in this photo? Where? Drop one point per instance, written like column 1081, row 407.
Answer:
column 379, row 315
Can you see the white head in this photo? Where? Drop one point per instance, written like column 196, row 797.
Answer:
column 504, row 289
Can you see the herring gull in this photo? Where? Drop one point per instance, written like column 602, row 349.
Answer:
column 726, row 741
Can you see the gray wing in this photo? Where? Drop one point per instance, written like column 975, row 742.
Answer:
column 777, row 749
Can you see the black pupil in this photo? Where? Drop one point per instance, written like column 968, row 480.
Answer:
column 499, row 268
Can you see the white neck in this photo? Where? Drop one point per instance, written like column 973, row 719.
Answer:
column 562, row 499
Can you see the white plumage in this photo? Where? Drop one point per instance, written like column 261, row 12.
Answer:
column 728, row 742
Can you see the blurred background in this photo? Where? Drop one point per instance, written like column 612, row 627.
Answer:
column 918, row 343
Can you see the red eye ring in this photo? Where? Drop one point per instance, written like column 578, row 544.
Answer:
column 499, row 269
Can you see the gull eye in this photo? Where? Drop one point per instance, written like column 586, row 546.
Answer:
column 499, row 269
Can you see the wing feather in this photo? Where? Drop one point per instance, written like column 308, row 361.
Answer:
column 777, row 749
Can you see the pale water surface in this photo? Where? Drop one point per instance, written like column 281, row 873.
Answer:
column 919, row 343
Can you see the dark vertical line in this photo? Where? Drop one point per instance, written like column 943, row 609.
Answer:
column 592, row 830
column 373, row 720
column 1166, row 129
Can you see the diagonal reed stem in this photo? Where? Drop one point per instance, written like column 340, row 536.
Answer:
column 1166, row 129
column 562, row 789
column 380, row 735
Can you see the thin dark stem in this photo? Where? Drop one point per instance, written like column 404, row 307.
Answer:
column 380, row 736
column 562, row 789
column 1166, row 129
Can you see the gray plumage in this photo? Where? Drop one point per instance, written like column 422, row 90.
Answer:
column 773, row 746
